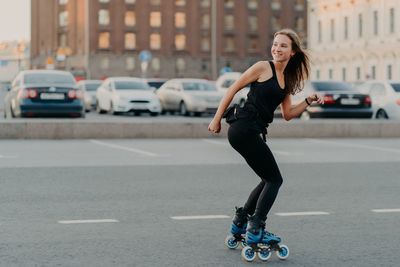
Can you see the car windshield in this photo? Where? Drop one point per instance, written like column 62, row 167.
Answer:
column 92, row 86
column 196, row 86
column 331, row 86
column 396, row 87
column 128, row 85
column 156, row 84
column 35, row 78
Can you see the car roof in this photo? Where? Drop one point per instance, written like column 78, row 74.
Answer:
column 89, row 81
column 190, row 80
column 126, row 79
column 46, row 72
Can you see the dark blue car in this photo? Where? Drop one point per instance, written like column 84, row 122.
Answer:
column 44, row 93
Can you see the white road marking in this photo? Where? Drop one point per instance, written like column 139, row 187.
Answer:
column 354, row 145
column 200, row 217
column 88, row 221
column 7, row 157
column 142, row 152
column 304, row 213
column 385, row 210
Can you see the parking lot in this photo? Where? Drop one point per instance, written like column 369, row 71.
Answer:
column 117, row 202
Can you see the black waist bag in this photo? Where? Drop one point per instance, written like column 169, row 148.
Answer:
column 230, row 114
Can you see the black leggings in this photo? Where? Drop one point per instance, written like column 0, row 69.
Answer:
column 259, row 157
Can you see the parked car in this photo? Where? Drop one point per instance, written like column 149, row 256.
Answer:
column 125, row 94
column 340, row 101
column 155, row 82
column 226, row 80
column 385, row 97
column 189, row 96
column 44, row 93
column 89, row 88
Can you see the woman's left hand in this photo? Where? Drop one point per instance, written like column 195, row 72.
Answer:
column 315, row 97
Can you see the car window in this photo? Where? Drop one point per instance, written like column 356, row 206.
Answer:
column 363, row 88
column 377, row 89
column 92, row 86
column 198, row 86
column 331, row 86
column 155, row 84
column 37, row 78
column 131, row 85
column 227, row 83
column 396, row 87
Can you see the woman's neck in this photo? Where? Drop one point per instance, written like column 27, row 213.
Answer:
column 280, row 66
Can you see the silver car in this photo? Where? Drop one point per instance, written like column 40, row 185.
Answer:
column 189, row 96
column 89, row 88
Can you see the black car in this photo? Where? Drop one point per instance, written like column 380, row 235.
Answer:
column 340, row 101
column 44, row 93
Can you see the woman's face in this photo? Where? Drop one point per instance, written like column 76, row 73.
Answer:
column 281, row 49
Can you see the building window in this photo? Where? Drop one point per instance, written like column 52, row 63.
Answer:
column 229, row 3
column 373, row 72
column 375, row 22
column 229, row 22
column 229, row 44
column 155, row 41
column 389, row 72
column 104, row 1
column 253, row 44
column 155, row 2
column 104, row 17
column 130, row 63
column 156, row 64
column 344, row 74
column 253, row 23
column 130, row 18
column 180, row 20
column 105, row 63
column 205, row 3
column 180, row 64
column 62, row 40
column 180, row 42
column 318, row 74
column 275, row 23
column 391, row 20
column 155, row 19
column 104, row 40
column 276, row 4
column 360, row 25
column 332, row 30
column 299, row 6
column 319, row 31
column 299, row 24
column 130, row 41
column 63, row 18
column 62, row 2
column 180, row 2
column 252, row 4
column 330, row 74
column 346, row 28
column 205, row 44
column 205, row 21
column 130, row 1
column 358, row 73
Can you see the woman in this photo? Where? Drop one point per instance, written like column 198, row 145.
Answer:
column 271, row 84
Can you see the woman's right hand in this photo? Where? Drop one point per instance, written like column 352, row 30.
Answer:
column 215, row 126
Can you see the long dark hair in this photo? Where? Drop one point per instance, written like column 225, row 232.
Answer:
column 298, row 68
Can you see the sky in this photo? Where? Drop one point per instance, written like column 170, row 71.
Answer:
column 15, row 19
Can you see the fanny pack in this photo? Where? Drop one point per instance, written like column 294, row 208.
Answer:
column 230, row 114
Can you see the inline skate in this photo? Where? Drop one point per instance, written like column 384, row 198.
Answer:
column 238, row 229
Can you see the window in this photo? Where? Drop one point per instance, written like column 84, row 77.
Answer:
column 319, row 31
column 344, row 74
column 155, row 19
column 229, row 3
column 180, row 20
column 155, row 41
column 63, row 18
column 330, row 74
column 389, row 72
column 180, row 64
column 299, row 24
column 360, row 25
column 62, row 40
column 332, row 30
column 180, row 2
column 253, row 23
column 346, row 28
column 62, row 2
column 155, row 64
column 229, row 22
column 358, row 73
column 205, row 21
column 373, row 72
column 155, row 2
column 253, row 44
column 391, row 21
column 130, row 63
column 275, row 23
column 205, row 44
column 130, row 1
column 276, row 5
column 229, row 44
column 130, row 41
column 104, row 40
column 104, row 17
column 104, row 1
column 375, row 22
column 105, row 63
column 252, row 4
column 130, row 18
column 299, row 6
column 205, row 3
column 318, row 74
column 180, row 42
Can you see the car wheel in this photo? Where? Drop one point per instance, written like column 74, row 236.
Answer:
column 382, row 115
column 305, row 116
column 98, row 109
column 154, row 114
column 183, row 109
column 198, row 114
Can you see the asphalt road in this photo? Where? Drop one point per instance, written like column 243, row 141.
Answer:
column 135, row 188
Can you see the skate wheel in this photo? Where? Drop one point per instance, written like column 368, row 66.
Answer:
column 248, row 254
column 283, row 252
column 231, row 242
column 264, row 254
column 243, row 244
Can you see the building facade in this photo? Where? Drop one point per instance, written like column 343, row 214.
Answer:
column 14, row 57
column 354, row 40
column 105, row 37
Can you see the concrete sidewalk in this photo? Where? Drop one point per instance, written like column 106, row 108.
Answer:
column 74, row 129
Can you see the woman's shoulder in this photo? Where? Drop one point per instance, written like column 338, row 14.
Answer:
column 264, row 69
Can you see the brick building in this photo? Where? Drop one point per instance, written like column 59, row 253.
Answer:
column 178, row 33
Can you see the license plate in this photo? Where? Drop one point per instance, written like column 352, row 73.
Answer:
column 46, row 96
column 350, row 101
column 139, row 105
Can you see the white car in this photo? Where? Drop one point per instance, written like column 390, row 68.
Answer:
column 226, row 80
column 89, row 88
column 125, row 94
column 189, row 96
column 385, row 96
